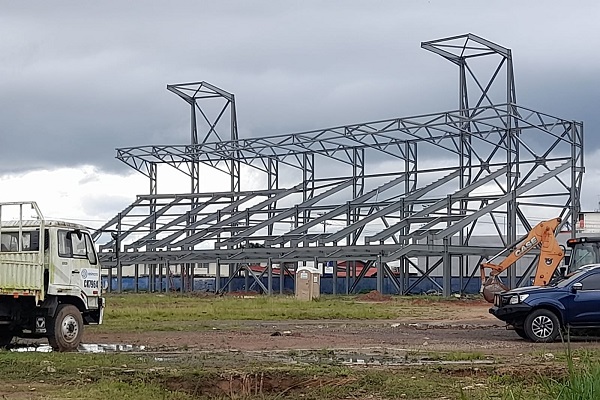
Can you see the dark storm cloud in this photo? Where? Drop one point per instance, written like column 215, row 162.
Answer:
column 78, row 80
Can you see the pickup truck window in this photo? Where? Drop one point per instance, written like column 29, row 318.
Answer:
column 591, row 282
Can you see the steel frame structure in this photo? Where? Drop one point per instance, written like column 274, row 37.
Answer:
column 383, row 191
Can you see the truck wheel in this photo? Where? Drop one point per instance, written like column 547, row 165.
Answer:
column 542, row 326
column 66, row 328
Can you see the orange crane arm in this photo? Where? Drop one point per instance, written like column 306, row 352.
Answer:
column 543, row 236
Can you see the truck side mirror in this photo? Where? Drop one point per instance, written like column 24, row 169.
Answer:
column 576, row 287
column 567, row 260
column 562, row 270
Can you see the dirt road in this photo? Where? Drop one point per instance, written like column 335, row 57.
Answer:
column 470, row 329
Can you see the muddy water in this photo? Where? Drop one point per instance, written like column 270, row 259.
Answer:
column 365, row 357
column 351, row 357
column 83, row 348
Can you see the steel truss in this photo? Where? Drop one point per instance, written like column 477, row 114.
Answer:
column 396, row 190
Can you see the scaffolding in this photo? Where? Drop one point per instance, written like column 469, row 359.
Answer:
column 384, row 191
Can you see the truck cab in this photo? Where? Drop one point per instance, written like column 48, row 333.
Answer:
column 584, row 251
column 49, row 279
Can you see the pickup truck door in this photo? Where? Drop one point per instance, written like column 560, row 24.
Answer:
column 582, row 309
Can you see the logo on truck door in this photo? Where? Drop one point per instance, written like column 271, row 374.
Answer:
column 90, row 278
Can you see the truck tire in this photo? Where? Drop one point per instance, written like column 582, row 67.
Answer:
column 66, row 328
column 542, row 326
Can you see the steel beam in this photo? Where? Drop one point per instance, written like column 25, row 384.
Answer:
column 496, row 159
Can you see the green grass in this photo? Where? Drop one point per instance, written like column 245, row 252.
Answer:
column 582, row 381
column 140, row 312
column 190, row 377
column 571, row 376
column 117, row 389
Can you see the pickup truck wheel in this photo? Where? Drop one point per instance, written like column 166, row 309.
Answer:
column 66, row 328
column 542, row 326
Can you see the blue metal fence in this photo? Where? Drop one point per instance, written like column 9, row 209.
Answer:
column 237, row 284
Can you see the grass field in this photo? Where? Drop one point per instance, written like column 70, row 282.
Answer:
column 136, row 312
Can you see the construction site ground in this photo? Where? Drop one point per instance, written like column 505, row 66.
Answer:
column 443, row 349
column 457, row 326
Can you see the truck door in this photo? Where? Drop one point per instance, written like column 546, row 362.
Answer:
column 62, row 274
column 79, row 261
column 584, row 303
column 89, row 274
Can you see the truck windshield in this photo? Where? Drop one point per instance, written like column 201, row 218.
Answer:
column 584, row 254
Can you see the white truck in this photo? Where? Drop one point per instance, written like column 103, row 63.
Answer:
column 49, row 278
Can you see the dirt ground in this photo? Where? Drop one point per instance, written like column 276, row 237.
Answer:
column 467, row 328
column 457, row 339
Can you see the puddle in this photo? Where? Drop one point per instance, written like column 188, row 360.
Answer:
column 385, row 361
column 83, row 348
column 366, row 357
column 32, row 349
column 375, row 357
column 375, row 360
column 109, row 348
column 168, row 358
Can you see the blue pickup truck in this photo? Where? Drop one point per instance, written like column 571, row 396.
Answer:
column 540, row 314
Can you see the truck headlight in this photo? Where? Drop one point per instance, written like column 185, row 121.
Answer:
column 518, row 298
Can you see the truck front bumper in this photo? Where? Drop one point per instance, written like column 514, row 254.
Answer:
column 511, row 313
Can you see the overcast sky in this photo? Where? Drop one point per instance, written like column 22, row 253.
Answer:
column 79, row 79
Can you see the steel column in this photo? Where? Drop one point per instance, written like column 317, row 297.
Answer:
column 487, row 141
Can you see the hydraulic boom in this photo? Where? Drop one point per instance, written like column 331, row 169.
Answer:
column 541, row 236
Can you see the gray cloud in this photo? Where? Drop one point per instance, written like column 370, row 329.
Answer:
column 78, row 81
